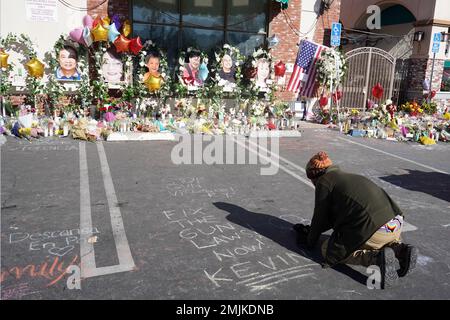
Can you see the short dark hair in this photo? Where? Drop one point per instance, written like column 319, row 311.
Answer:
column 152, row 54
column 73, row 53
column 194, row 53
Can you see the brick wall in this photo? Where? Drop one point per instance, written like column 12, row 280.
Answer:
column 323, row 28
column 97, row 8
column 419, row 70
column 287, row 48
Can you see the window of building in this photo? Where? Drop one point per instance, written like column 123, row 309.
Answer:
column 206, row 24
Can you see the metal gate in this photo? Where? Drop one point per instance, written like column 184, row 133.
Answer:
column 367, row 67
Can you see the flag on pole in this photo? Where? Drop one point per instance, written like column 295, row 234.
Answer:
column 305, row 68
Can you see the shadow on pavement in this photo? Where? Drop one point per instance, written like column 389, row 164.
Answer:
column 283, row 234
column 433, row 183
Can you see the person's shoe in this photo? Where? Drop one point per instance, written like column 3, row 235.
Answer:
column 388, row 264
column 407, row 256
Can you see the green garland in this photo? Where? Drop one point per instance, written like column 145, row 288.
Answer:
column 181, row 89
column 33, row 85
column 253, row 90
column 165, row 91
column 54, row 88
column 218, row 83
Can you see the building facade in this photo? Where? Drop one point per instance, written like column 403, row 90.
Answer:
column 406, row 32
column 177, row 24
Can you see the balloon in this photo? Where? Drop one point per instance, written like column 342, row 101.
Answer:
column 113, row 33
column 153, row 83
column 337, row 96
column 88, row 21
column 136, row 45
column 87, row 37
column 76, row 35
column 126, row 29
column 377, row 91
column 99, row 33
column 3, row 59
column 106, row 21
column 433, row 94
column 122, row 44
column 323, row 101
column 203, row 72
column 116, row 21
column 35, row 68
column 280, row 69
column 96, row 22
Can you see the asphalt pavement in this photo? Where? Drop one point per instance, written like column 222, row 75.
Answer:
column 131, row 224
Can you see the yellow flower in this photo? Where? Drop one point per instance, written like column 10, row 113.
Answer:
column 420, row 110
column 447, row 116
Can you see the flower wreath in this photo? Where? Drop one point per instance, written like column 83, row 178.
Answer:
column 192, row 84
column 238, row 60
column 254, row 58
column 326, row 68
column 164, row 90
column 55, row 89
column 22, row 44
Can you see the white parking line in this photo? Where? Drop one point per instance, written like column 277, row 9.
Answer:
column 394, row 156
column 88, row 266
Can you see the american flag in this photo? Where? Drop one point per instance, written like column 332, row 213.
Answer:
column 305, row 69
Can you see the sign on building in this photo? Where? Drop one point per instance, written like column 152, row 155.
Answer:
column 41, row 10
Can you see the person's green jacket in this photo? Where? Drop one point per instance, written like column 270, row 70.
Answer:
column 354, row 207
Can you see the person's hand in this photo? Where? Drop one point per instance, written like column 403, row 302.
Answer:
column 302, row 233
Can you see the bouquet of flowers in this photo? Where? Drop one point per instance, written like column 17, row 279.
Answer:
column 331, row 67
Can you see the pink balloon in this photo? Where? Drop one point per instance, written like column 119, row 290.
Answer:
column 88, row 21
column 77, row 35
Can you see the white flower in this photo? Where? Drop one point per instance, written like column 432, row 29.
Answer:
column 100, row 72
column 104, row 49
column 163, row 75
column 181, row 61
column 144, row 53
column 141, row 64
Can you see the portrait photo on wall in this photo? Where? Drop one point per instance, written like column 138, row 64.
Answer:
column 112, row 68
column 67, row 69
column 195, row 70
column 227, row 71
column 153, row 78
column 262, row 79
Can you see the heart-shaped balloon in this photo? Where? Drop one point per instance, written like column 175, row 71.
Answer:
column 323, row 101
column 377, row 91
column 113, row 33
column 122, row 44
column 88, row 21
column 87, row 37
column 76, row 35
column 136, row 45
column 280, row 69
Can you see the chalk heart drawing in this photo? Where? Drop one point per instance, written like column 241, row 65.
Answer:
column 60, row 252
